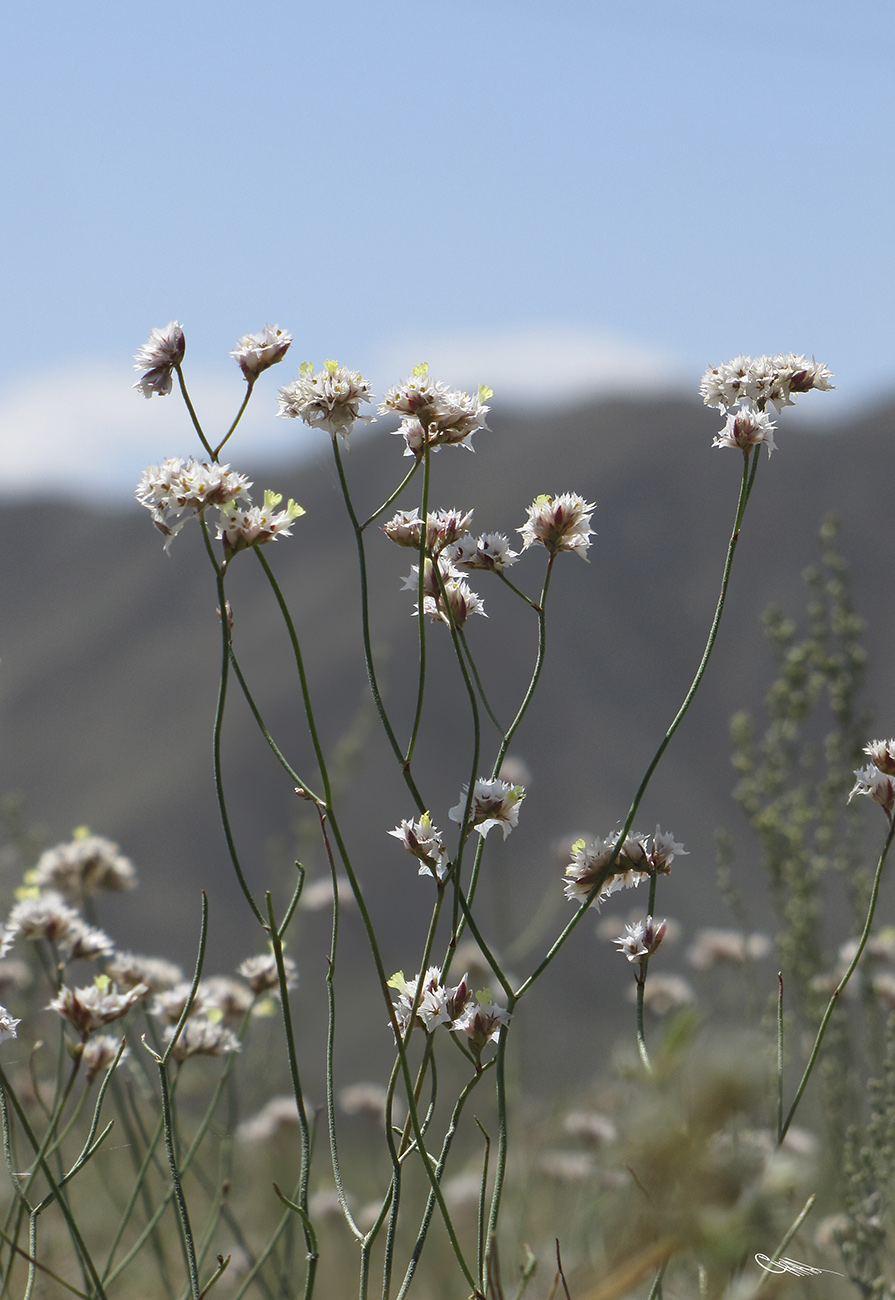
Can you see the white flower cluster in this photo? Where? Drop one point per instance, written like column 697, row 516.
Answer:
column 159, row 357
column 559, row 523
column 189, row 487
column 423, row 840
column 744, row 387
column 86, row 865
column 447, row 600
column 477, row 1016
column 494, row 803
column 877, row 779
column 257, row 352
column 328, row 399
column 641, row 938
column 640, row 857
column 433, row 414
column 7, row 1025
column 46, row 915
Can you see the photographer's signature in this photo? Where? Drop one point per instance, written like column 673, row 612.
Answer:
column 791, row 1266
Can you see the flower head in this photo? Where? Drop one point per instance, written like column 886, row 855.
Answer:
column 481, row 1020
column 434, row 414
column 7, row 1025
column 41, row 916
column 443, row 528
column 260, row 973
column 878, row 786
column 882, row 755
column 256, row 525
column 494, row 803
column 99, row 1053
column 127, row 970
column 202, row 1037
column 641, row 938
column 158, row 357
column 762, row 380
column 746, row 428
column 490, row 551
column 257, row 352
column 560, row 523
column 640, row 857
column 98, row 1004
column 187, row 487
column 424, row 842
column 329, row 399
column 455, row 603
column 85, row 866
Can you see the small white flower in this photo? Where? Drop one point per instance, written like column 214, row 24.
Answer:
column 762, row 380
column 640, row 857
column 494, row 803
column 329, row 399
column 482, row 1020
column 423, row 840
column 878, row 786
column 187, row 487
column 86, row 865
column 261, row 973
column 7, row 1025
column 882, row 755
column 202, row 1037
column 490, row 551
column 99, row 1053
column 240, row 529
column 98, row 1004
column 126, row 970
column 560, row 523
column 641, row 938
column 745, row 428
column 257, row 352
column 443, row 528
column 458, row 596
column 159, row 356
column 435, row 414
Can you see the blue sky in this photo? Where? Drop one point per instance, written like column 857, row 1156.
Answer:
column 555, row 198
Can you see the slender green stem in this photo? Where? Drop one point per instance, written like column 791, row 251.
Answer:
column 825, row 1020
column 780, row 1056
column 746, row 483
column 365, row 629
column 503, row 1138
column 797, row 1223
column 195, row 419
column 394, row 496
column 250, row 384
column 262, row 727
column 421, row 611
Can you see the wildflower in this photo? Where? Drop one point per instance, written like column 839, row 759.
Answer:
column 490, row 551
column 878, row 786
column 494, row 803
column 260, row 973
column 443, row 528
column 202, row 1037
column 98, row 1004
column 639, row 858
column 452, row 605
column 765, row 379
column 85, row 866
column 713, row 947
column 560, row 523
column 159, row 356
column 127, row 970
column 86, row 942
column 747, row 428
column 882, row 755
column 240, row 529
column 257, row 352
column 421, row 839
column 7, row 1025
column 169, row 1003
column 434, row 414
column 641, row 939
column 481, row 1020
column 437, row 1004
column 40, row 916
column 327, row 400
column 99, row 1053
column 187, row 487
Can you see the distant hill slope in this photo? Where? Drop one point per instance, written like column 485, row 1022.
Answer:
column 110, row 656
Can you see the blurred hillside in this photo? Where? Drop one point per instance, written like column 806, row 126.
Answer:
column 110, row 656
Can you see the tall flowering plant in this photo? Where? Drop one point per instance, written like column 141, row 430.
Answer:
column 434, row 1010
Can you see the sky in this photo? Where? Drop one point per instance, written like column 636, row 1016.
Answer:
column 558, row 199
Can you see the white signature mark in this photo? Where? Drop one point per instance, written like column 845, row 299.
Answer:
column 791, row 1266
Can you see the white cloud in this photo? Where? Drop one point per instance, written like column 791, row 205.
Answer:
column 85, row 432
column 533, row 366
